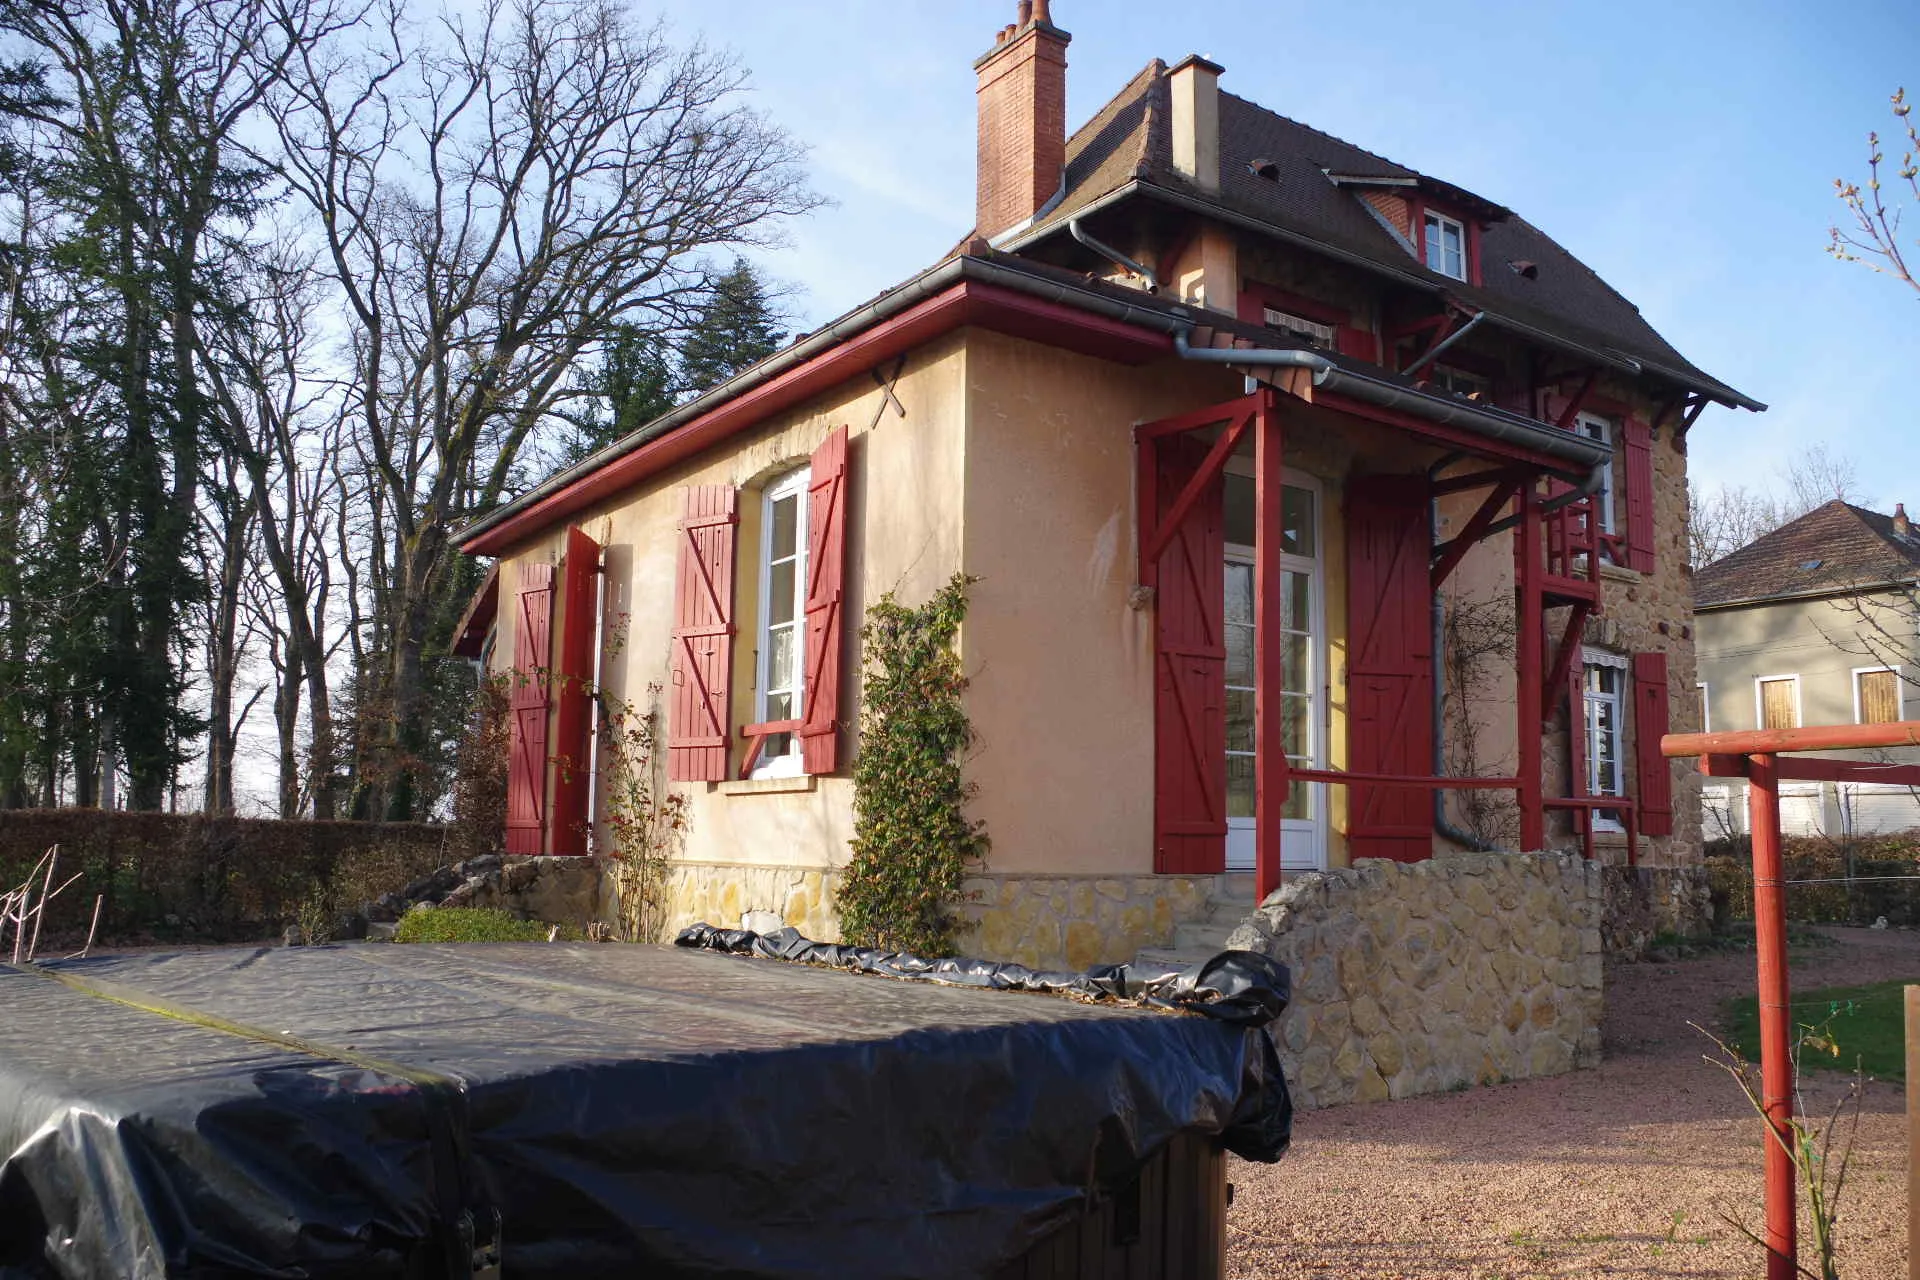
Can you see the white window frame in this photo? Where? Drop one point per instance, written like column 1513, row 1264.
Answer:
column 1596, row 426
column 1441, row 223
column 1760, row 700
column 1605, row 819
column 794, row 484
column 1899, row 691
column 1313, row 829
column 1314, row 333
column 1706, row 707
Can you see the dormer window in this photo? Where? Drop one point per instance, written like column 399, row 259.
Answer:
column 1311, row 332
column 1446, row 246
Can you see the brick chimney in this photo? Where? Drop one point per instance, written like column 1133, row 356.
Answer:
column 1902, row 527
column 1022, row 98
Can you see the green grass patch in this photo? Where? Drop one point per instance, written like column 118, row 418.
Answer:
column 472, row 924
column 1866, row 1024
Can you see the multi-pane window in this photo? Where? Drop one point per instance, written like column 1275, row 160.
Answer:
column 1446, row 246
column 1461, row 383
column 1595, row 427
column 1876, row 696
column 1779, row 702
column 1604, row 685
column 1297, row 547
column 783, row 587
column 1312, row 332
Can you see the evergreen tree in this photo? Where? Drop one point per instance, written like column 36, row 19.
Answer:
column 632, row 387
column 735, row 329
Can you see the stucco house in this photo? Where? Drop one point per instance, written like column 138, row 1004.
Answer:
column 1814, row 624
column 1224, row 414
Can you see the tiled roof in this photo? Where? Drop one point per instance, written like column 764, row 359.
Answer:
column 1835, row 547
column 1130, row 139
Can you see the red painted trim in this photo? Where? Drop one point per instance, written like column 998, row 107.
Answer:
column 572, row 748
column 1456, row 550
column 1210, row 469
column 1473, row 250
column 1418, row 781
column 1528, row 571
column 968, row 303
column 1478, row 445
column 470, row 633
column 1269, row 717
column 1824, row 737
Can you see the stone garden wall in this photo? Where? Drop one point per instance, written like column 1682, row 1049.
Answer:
column 1422, row 977
column 1644, row 903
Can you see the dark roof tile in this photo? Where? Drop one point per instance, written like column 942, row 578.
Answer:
column 1836, row 547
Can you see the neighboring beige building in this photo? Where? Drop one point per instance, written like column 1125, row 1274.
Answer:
column 1814, row 624
column 1225, row 415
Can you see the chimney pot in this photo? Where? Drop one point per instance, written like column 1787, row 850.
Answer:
column 1022, row 102
column 1901, row 525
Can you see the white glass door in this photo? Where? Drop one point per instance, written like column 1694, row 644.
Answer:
column 1302, row 697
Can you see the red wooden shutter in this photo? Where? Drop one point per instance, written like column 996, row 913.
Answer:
column 1358, row 343
column 1655, row 778
column 1576, row 727
column 1389, row 665
column 701, row 668
column 573, row 694
column 826, row 572
column 1190, row 672
column 527, row 735
column 1639, row 449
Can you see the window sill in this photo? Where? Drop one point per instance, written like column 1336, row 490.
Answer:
column 1620, row 573
column 768, row 786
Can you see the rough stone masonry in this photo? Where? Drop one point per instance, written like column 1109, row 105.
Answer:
column 1422, row 977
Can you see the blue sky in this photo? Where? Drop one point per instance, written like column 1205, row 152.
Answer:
column 1686, row 151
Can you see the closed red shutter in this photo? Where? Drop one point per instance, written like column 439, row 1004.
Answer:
column 1389, row 665
column 573, row 694
column 1639, row 449
column 1358, row 343
column 1655, row 775
column 701, row 666
column 527, row 741
column 1189, row 673
column 826, row 573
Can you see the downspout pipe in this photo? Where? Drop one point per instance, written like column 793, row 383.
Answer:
column 1448, row 341
column 1112, row 254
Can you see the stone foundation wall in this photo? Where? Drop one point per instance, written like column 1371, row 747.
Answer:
column 1644, row 902
column 762, row 898
column 1044, row 922
column 571, row 891
column 1075, row 922
column 1422, row 977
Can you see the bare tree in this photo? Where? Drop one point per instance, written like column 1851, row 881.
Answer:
column 1722, row 520
column 1874, row 235
column 495, row 194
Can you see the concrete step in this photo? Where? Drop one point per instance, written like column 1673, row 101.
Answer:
column 1168, row 958
column 1210, row 937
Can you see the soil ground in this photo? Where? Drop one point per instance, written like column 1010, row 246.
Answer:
column 1631, row 1169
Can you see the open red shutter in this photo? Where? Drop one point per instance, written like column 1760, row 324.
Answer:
column 826, row 573
column 1639, row 450
column 701, row 666
column 527, row 741
column 573, row 694
column 1655, row 775
column 1190, row 671
column 1389, row 665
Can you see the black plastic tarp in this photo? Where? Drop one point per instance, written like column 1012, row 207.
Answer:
column 371, row 1111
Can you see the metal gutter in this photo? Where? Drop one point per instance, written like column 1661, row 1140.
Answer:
column 1481, row 420
column 1612, row 359
column 1112, row 254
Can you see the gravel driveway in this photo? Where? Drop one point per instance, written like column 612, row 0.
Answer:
column 1626, row 1170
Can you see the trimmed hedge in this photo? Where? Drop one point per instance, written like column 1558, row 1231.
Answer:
column 186, row 877
column 1873, row 893
column 473, row 924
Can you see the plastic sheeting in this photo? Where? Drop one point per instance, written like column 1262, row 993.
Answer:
column 374, row 1111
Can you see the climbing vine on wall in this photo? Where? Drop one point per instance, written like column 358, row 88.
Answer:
column 912, row 840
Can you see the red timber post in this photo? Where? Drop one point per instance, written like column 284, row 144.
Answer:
column 1269, row 718
column 569, row 821
column 1529, row 692
column 1776, row 1062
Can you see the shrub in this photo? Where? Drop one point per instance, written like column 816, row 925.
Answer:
column 480, row 775
column 472, row 924
column 1817, row 873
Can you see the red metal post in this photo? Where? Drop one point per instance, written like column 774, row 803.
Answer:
column 1776, row 1061
column 1269, row 718
column 1527, row 690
